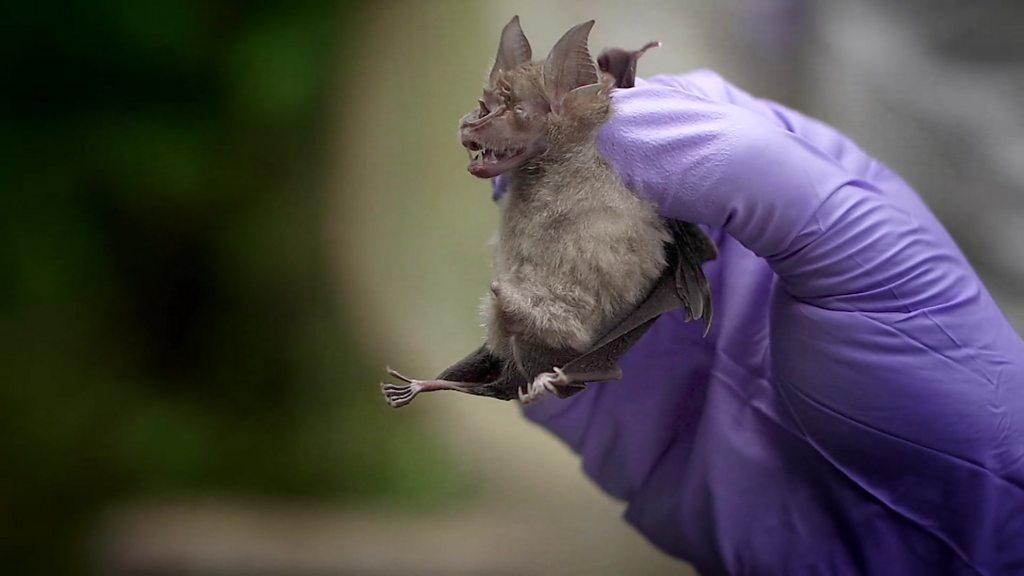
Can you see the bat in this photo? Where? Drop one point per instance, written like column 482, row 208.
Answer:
column 582, row 266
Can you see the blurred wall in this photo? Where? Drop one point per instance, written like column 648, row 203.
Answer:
column 168, row 313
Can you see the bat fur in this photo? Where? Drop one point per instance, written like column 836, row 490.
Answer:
column 582, row 266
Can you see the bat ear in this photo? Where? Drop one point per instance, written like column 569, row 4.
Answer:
column 569, row 64
column 579, row 100
column 513, row 49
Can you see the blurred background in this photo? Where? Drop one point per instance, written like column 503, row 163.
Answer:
column 219, row 220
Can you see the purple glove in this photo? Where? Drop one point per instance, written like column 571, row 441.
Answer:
column 858, row 406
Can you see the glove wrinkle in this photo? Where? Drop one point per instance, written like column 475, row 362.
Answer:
column 858, row 406
column 866, row 485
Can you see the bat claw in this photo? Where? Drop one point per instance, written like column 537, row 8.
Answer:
column 544, row 383
column 561, row 379
column 397, row 374
column 398, row 395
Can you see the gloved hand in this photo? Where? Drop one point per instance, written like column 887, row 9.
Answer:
column 858, row 406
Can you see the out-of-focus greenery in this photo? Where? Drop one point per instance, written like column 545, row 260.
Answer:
column 168, row 324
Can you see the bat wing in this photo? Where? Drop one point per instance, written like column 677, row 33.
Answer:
column 606, row 352
column 682, row 285
column 482, row 373
column 533, row 357
column 692, row 248
column 479, row 366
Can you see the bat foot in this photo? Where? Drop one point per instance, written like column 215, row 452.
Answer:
column 398, row 395
column 544, row 383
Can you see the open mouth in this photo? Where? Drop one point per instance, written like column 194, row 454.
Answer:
column 488, row 163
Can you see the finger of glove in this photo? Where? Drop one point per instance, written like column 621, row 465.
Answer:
column 712, row 86
column 716, row 164
column 499, row 185
column 825, row 231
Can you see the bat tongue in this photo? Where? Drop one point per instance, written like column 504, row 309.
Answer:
column 486, row 170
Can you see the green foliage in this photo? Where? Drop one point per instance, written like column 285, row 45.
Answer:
column 167, row 315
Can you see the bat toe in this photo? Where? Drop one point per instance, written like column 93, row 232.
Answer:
column 543, row 384
column 398, row 395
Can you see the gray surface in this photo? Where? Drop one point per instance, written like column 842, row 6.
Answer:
column 936, row 91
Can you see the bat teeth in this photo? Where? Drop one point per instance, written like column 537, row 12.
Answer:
column 492, row 154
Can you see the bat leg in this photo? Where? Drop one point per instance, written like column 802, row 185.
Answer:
column 398, row 395
column 564, row 384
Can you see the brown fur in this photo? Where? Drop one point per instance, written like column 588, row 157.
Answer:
column 582, row 267
column 575, row 249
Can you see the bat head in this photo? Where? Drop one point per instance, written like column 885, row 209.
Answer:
column 530, row 109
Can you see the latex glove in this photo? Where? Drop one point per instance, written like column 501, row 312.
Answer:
column 858, row 406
